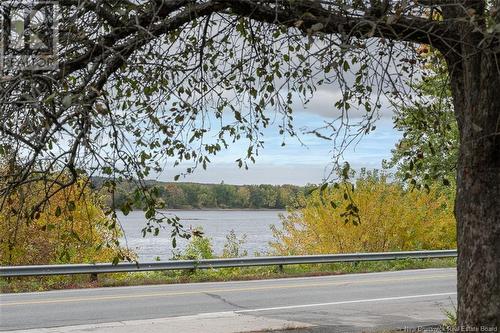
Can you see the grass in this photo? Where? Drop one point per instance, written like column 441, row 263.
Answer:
column 29, row 284
column 451, row 318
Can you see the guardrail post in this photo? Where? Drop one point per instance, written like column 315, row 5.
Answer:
column 281, row 269
column 93, row 277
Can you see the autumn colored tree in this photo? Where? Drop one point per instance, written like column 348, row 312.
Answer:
column 71, row 228
column 392, row 219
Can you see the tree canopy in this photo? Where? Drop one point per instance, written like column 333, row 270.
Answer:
column 428, row 150
column 194, row 195
column 138, row 85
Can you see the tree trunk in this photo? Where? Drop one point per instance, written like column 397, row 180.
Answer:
column 475, row 80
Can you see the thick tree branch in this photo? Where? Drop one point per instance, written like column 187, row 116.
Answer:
column 400, row 28
column 306, row 16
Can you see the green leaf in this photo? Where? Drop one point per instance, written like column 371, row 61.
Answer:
column 66, row 101
column 345, row 170
column 71, row 206
column 311, row 190
column 346, row 66
column 237, row 115
column 74, row 235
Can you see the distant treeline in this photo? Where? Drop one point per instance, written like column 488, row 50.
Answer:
column 196, row 196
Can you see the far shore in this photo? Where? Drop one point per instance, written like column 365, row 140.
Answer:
column 218, row 209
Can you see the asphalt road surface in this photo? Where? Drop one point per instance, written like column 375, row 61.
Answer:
column 342, row 303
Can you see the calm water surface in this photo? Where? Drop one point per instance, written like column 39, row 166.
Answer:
column 216, row 224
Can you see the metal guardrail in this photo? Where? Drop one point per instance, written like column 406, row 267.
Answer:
column 94, row 269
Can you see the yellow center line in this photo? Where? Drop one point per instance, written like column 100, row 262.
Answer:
column 196, row 292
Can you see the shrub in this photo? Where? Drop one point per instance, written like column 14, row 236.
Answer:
column 392, row 219
column 233, row 248
column 71, row 228
column 197, row 248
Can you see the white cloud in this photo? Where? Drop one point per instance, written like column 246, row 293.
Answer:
column 324, row 99
column 294, row 163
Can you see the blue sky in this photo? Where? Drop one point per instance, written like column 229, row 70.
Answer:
column 295, row 163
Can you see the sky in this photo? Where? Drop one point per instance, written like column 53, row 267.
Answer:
column 298, row 162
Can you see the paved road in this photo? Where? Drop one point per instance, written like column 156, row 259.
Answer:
column 344, row 303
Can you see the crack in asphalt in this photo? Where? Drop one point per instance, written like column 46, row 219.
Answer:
column 222, row 299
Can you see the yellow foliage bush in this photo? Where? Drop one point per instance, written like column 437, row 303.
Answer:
column 71, row 228
column 392, row 219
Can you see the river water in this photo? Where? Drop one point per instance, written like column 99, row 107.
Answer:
column 216, row 224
